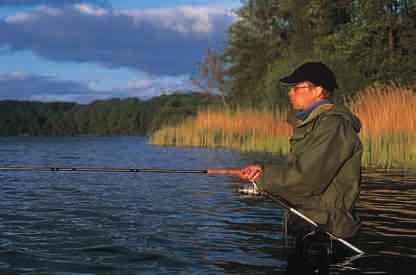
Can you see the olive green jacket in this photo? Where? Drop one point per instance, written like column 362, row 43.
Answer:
column 321, row 177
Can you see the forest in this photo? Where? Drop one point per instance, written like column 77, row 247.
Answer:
column 130, row 116
column 364, row 42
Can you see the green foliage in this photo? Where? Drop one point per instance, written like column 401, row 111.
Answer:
column 379, row 41
column 254, row 40
column 362, row 41
column 30, row 118
column 129, row 116
column 170, row 110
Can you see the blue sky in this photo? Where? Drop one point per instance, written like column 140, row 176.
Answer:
column 74, row 50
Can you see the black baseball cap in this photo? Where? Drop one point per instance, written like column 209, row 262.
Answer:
column 317, row 73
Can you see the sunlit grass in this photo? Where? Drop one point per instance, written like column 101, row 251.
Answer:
column 245, row 130
column 387, row 113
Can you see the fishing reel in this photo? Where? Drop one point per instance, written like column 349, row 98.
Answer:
column 250, row 189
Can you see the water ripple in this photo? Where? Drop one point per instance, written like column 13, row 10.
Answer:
column 164, row 224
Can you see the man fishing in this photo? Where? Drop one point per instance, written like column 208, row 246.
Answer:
column 321, row 176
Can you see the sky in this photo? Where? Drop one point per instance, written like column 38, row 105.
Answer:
column 84, row 50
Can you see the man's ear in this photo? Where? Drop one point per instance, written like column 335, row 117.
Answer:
column 318, row 92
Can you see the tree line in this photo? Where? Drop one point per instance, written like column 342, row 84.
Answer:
column 130, row 116
column 363, row 41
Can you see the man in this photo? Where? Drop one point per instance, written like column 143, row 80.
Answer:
column 321, row 176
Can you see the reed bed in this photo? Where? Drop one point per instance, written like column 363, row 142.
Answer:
column 246, row 130
column 388, row 116
column 387, row 113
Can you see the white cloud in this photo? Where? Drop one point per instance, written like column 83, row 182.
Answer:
column 23, row 17
column 22, row 86
column 139, row 84
column 50, row 11
column 155, row 86
column 17, row 18
column 20, row 3
column 158, row 41
column 13, row 76
column 19, row 85
column 181, row 19
column 91, row 10
column 162, row 44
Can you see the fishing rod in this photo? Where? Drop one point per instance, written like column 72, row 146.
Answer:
column 118, row 170
column 274, row 198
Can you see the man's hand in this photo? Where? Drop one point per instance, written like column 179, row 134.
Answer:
column 251, row 173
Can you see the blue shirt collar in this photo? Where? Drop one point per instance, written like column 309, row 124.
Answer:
column 305, row 113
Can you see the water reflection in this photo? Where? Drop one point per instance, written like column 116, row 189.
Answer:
column 388, row 213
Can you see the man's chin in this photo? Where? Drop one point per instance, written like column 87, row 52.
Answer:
column 296, row 108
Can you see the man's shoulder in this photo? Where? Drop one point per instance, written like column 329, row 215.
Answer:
column 330, row 121
column 341, row 115
column 338, row 109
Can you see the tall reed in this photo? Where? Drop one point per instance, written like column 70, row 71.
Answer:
column 246, row 130
column 387, row 113
column 388, row 116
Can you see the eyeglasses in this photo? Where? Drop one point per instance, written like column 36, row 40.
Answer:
column 300, row 87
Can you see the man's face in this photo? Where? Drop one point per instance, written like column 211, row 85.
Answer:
column 303, row 95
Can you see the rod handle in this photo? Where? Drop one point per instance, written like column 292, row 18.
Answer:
column 223, row 172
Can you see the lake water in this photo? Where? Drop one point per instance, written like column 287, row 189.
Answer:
column 56, row 223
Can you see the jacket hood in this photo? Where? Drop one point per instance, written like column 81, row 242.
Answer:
column 327, row 109
column 341, row 110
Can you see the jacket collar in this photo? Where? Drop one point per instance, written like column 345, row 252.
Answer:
column 314, row 112
column 305, row 113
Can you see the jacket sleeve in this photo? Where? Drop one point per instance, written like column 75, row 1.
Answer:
column 309, row 171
